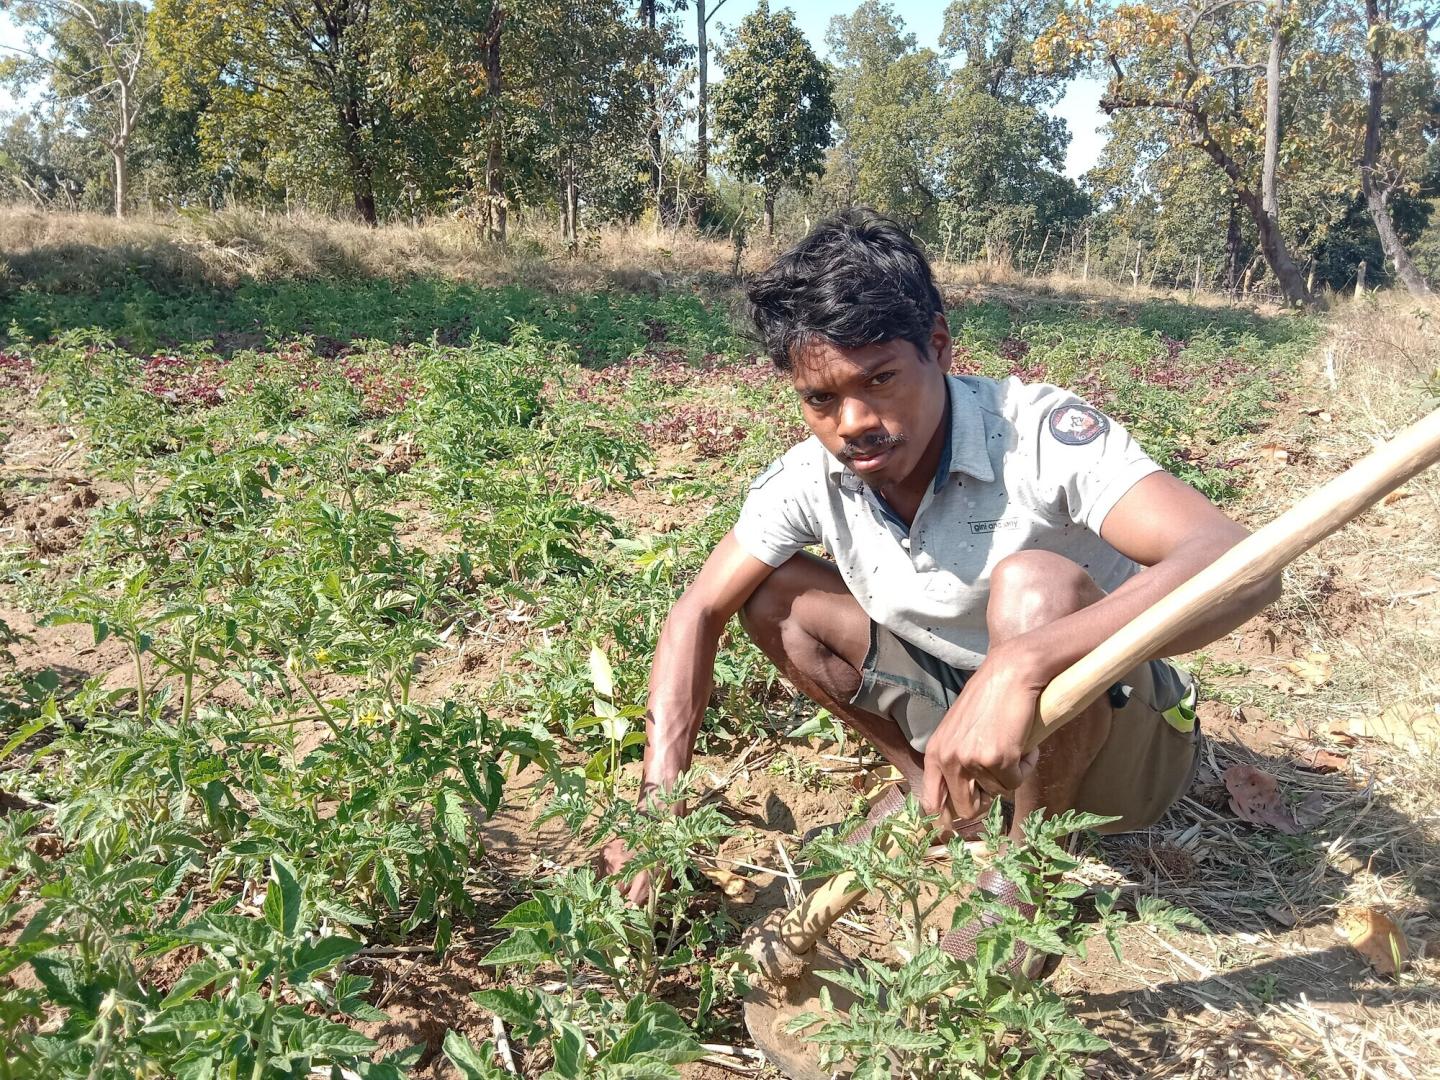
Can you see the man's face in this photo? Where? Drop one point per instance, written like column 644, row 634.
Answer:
column 876, row 408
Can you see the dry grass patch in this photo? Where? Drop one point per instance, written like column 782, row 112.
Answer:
column 1277, row 988
column 78, row 252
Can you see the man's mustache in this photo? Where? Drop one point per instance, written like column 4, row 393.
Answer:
column 872, row 445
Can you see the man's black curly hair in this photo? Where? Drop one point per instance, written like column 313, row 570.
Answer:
column 856, row 279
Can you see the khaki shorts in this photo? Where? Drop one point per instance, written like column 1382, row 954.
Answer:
column 1147, row 763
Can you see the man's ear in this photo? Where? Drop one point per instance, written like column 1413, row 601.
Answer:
column 940, row 344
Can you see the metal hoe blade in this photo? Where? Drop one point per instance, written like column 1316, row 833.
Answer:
column 769, row 1010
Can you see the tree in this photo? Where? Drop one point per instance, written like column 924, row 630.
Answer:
column 95, row 56
column 888, row 106
column 663, row 50
column 1396, row 66
column 702, row 97
column 1215, row 68
column 999, row 151
column 298, row 86
column 774, row 108
column 42, row 161
column 578, row 105
column 996, row 39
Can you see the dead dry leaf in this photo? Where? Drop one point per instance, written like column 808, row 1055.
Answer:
column 1375, row 936
column 1321, row 760
column 1314, row 670
column 1311, row 810
column 1323, row 415
column 1255, row 797
column 737, row 888
column 1285, row 916
column 1394, row 497
column 1410, row 725
column 1341, row 733
column 1275, row 454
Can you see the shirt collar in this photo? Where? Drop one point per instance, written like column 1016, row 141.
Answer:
column 965, row 447
column 968, row 449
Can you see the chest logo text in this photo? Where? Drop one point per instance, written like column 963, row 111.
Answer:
column 994, row 526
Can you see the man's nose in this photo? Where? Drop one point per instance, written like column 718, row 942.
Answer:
column 857, row 419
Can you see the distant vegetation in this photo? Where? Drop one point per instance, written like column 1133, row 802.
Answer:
column 1283, row 147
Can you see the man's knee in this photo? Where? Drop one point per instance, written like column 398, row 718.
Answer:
column 762, row 614
column 770, row 615
column 1032, row 588
column 803, row 619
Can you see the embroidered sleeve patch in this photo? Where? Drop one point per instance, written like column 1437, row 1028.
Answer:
column 1076, row 425
column 765, row 477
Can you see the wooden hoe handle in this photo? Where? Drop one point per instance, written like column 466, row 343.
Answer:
column 1257, row 557
column 1261, row 555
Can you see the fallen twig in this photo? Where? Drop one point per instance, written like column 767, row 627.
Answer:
column 502, row 1046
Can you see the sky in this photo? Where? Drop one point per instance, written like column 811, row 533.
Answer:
column 1080, row 106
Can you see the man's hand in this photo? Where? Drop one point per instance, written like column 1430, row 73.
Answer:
column 613, row 858
column 979, row 748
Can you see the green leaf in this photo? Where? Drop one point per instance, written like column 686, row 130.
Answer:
column 387, row 880
column 282, row 898
column 530, row 915
column 341, row 912
column 318, row 1036
column 519, row 1008
column 473, row 1064
column 569, row 1050
column 26, row 732
column 320, row 954
column 194, row 979
column 451, row 813
column 524, row 946
column 660, row 1035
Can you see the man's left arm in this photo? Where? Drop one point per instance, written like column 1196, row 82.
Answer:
column 1174, row 532
column 1163, row 524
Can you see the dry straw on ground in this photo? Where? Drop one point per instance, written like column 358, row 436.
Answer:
column 223, row 248
column 1276, row 989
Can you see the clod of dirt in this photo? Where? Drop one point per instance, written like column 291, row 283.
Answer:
column 776, row 962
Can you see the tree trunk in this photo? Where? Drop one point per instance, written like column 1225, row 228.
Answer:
column 1272, row 244
column 1267, row 211
column 1232, row 248
column 1268, row 199
column 702, row 143
column 769, row 213
column 702, row 106
column 122, row 178
column 1393, row 246
column 649, row 22
column 495, row 223
column 1377, row 192
column 570, row 209
column 361, row 177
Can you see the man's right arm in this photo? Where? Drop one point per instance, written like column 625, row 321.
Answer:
column 682, row 674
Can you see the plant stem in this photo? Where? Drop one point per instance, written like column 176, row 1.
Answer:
column 141, row 698
column 187, row 697
column 324, row 712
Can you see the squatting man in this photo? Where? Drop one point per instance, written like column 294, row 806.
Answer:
column 983, row 535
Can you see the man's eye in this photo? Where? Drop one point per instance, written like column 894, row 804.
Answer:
column 882, row 378
column 816, row 401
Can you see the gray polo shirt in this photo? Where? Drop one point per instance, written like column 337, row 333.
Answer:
column 1026, row 467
